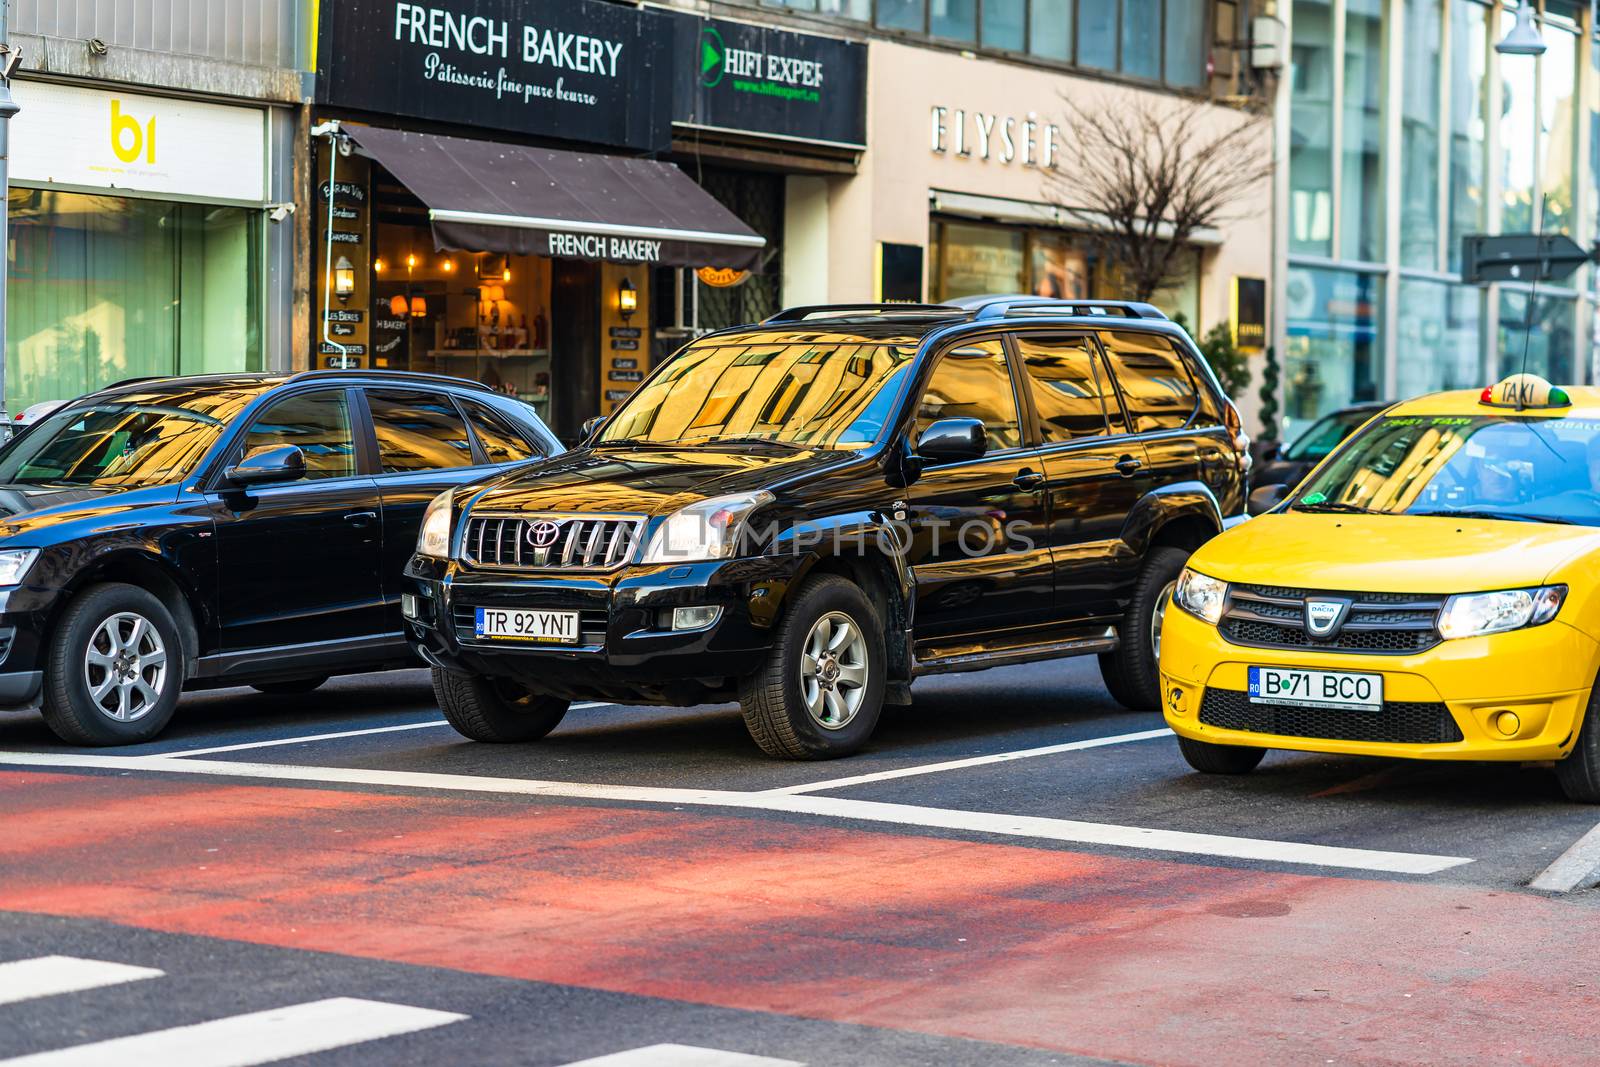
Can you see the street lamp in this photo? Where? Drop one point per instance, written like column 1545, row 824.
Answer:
column 1524, row 38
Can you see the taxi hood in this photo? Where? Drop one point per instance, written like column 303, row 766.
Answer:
column 1391, row 553
column 652, row 481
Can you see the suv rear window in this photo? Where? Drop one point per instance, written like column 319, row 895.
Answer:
column 1155, row 381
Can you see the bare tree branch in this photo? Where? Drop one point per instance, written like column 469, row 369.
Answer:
column 1146, row 177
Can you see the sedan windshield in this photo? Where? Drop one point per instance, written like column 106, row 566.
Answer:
column 135, row 440
column 812, row 395
column 1515, row 468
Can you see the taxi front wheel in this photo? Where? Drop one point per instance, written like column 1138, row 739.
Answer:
column 1208, row 758
column 1579, row 771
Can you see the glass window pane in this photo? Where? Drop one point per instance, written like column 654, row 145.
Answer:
column 318, row 424
column 1334, row 355
column 1141, row 38
column 1468, row 75
column 1558, row 75
column 1311, row 129
column 955, row 19
column 1541, row 342
column 902, row 14
column 1419, row 136
column 1187, row 46
column 418, row 431
column 974, row 260
column 1155, row 382
column 1438, row 337
column 973, row 382
column 1068, row 385
column 1004, row 25
column 1050, row 29
column 1060, row 268
column 1097, row 34
column 861, row 10
column 500, row 443
column 1361, row 171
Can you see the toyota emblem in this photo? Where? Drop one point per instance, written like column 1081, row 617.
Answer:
column 543, row 534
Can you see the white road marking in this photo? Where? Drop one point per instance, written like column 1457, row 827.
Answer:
column 1024, row 826
column 1578, row 866
column 48, row 976
column 309, row 738
column 973, row 761
column 260, row 1037
column 682, row 1056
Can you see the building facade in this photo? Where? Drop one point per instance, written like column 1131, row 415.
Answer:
column 1405, row 131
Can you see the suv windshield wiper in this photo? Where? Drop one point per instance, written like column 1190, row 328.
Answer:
column 1333, row 505
column 1485, row 513
column 755, row 440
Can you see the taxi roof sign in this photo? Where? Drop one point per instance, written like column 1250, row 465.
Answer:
column 1525, row 391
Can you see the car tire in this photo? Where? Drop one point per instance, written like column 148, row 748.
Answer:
column 1579, row 770
column 291, row 688
column 120, row 642
column 1131, row 672
column 1208, row 758
column 801, row 705
column 495, row 710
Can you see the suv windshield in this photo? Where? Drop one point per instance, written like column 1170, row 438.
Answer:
column 817, row 395
column 132, row 441
column 1521, row 469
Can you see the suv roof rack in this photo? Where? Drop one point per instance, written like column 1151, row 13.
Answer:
column 402, row 375
column 1040, row 305
column 806, row 311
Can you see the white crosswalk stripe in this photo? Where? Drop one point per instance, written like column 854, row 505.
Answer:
column 682, row 1056
column 245, row 1040
column 48, row 976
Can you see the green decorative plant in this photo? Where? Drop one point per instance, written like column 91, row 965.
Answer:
column 1269, row 396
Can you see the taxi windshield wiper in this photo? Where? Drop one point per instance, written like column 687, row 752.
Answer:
column 1332, row 505
column 1485, row 513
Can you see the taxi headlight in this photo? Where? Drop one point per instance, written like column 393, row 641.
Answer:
column 434, row 537
column 1200, row 595
column 15, row 563
column 1476, row 614
column 709, row 529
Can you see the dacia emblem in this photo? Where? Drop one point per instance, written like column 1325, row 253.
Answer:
column 1324, row 616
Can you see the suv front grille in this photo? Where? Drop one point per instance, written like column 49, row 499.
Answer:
column 1399, row 722
column 1385, row 624
column 551, row 542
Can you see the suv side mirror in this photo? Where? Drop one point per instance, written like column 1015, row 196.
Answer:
column 1266, row 497
column 270, row 463
column 951, row 440
column 590, row 426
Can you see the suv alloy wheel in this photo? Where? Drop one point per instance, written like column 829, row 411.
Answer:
column 115, row 668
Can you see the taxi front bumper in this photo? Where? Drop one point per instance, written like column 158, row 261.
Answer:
column 1542, row 675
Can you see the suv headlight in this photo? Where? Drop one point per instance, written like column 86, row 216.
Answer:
column 710, row 529
column 434, row 537
column 14, row 563
column 1476, row 614
column 1201, row 596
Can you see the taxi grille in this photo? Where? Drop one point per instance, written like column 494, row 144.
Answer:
column 1386, row 624
column 1400, row 722
column 551, row 542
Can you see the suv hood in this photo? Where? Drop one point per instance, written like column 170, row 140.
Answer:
column 1392, row 553
column 650, row 481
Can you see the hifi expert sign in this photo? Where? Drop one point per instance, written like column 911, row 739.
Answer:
column 579, row 70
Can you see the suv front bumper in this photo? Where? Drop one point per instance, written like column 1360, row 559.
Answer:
column 626, row 648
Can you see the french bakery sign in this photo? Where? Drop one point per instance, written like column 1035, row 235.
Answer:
column 573, row 69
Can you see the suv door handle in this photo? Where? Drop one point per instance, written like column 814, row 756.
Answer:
column 1128, row 466
column 1028, row 480
column 360, row 518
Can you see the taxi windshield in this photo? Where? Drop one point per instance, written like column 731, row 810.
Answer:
column 1515, row 468
column 812, row 395
column 130, row 442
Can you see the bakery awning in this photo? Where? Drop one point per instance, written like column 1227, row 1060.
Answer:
column 488, row 197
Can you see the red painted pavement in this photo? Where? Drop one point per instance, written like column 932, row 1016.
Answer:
column 1127, row 958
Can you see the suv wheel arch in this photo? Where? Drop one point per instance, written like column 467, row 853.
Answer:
column 156, row 576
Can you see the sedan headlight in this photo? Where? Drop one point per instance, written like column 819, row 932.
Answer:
column 1476, row 614
column 710, row 529
column 1200, row 595
column 434, row 537
column 15, row 563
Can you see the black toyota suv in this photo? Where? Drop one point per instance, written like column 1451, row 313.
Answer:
column 231, row 529
column 810, row 513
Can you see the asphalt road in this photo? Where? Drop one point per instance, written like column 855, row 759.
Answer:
column 1016, row 871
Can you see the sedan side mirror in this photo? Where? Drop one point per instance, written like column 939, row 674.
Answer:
column 269, row 463
column 952, row 440
column 590, row 426
column 1266, row 497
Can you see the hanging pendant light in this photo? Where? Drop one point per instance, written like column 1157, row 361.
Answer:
column 398, row 306
column 1524, row 38
column 419, row 307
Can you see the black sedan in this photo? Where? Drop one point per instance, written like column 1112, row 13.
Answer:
column 225, row 530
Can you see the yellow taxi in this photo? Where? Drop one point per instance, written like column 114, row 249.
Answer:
column 1430, row 591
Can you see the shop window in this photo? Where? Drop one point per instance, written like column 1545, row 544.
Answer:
column 500, row 443
column 418, row 431
column 1558, row 89
column 1155, row 382
column 1311, row 129
column 318, row 424
column 1439, row 336
column 976, row 259
column 1467, row 125
column 1334, row 355
column 757, row 199
column 1419, row 136
column 1537, row 334
column 973, row 382
column 1362, row 197
column 1068, row 386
